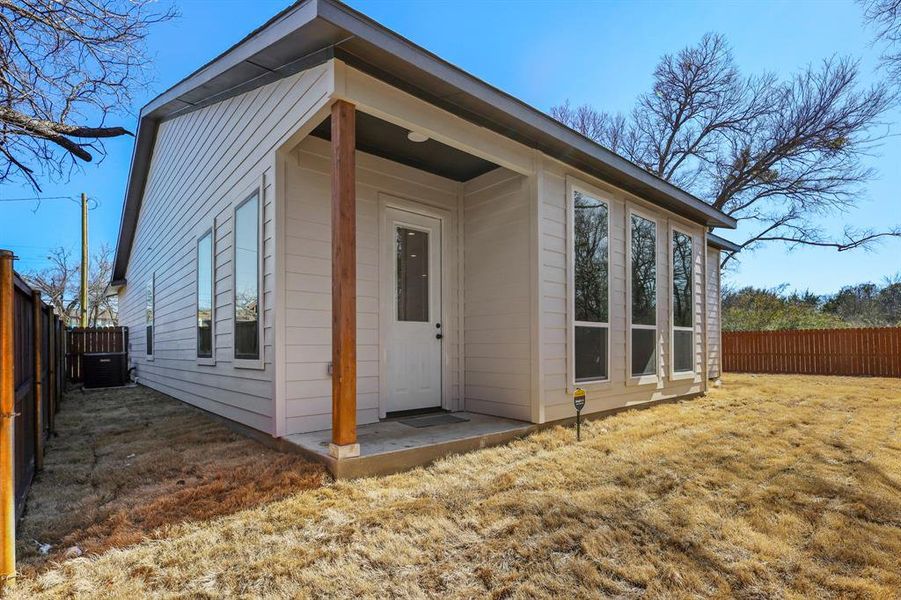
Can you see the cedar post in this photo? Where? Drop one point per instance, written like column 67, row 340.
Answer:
column 37, row 389
column 7, row 424
column 52, row 355
column 344, row 283
column 54, row 399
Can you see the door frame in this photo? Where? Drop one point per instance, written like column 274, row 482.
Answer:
column 386, row 278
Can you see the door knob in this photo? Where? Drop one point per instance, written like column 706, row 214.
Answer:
column 438, row 336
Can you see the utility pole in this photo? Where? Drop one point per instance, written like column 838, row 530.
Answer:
column 84, row 259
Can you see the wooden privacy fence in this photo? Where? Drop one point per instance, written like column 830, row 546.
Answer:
column 32, row 372
column 872, row 352
column 81, row 341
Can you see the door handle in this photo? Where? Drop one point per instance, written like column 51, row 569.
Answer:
column 438, row 336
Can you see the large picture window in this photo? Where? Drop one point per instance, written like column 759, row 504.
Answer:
column 247, row 279
column 591, row 252
column 149, row 313
column 205, row 295
column 643, row 275
column 683, row 332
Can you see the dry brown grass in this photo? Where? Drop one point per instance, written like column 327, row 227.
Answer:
column 128, row 463
column 770, row 487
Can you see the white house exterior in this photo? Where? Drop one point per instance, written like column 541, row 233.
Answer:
column 477, row 287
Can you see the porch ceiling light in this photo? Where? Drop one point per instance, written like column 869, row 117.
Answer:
column 415, row 136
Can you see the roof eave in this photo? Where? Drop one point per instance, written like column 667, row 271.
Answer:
column 721, row 243
column 525, row 124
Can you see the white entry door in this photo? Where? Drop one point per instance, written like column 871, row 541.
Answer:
column 414, row 329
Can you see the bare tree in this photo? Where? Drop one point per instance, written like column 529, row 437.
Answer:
column 885, row 18
column 59, row 284
column 102, row 307
column 66, row 66
column 779, row 155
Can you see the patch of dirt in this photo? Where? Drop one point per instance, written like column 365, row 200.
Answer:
column 126, row 464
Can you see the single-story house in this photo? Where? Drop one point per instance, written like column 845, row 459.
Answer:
column 328, row 226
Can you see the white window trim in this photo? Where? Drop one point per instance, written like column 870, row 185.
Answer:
column 152, row 288
column 208, row 361
column 250, row 363
column 673, row 374
column 573, row 185
column 650, row 378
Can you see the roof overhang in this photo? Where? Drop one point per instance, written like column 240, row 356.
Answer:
column 311, row 32
column 715, row 241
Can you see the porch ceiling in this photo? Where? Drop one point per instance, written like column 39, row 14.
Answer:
column 381, row 138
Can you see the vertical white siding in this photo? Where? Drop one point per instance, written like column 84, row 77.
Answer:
column 308, row 279
column 204, row 163
column 497, row 297
column 714, row 316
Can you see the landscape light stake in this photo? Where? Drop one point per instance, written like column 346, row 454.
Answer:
column 7, row 425
column 579, row 402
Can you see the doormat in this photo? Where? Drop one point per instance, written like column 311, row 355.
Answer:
column 433, row 420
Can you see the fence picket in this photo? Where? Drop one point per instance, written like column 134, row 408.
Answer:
column 871, row 351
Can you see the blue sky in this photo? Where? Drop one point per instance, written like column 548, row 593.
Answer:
column 602, row 53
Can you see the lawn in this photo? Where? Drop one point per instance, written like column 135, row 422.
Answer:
column 771, row 486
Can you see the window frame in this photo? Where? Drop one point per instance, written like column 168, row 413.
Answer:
column 211, row 359
column 642, row 379
column 150, row 307
column 249, row 363
column 572, row 186
column 673, row 373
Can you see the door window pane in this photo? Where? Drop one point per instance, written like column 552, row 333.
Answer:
column 644, row 271
column 682, row 267
column 205, row 296
column 644, row 355
column 247, row 280
column 412, row 275
column 591, row 252
column 682, row 351
column 591, row 353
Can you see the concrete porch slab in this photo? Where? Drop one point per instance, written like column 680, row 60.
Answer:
column 391, row 446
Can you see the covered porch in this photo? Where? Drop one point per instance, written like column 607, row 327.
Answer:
column 394, row 445
column 408, row 284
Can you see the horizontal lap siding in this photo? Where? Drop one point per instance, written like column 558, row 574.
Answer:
column 308, row 279
column 204, row 164
column 496, row 286
column 713, row 313
column 553, row 288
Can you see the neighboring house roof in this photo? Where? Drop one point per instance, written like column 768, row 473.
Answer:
column 719, row 243
column 310, row 32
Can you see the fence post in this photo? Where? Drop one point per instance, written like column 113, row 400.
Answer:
column 51, row 357
column 38, row 344
column 54, row 401
column 7, row 425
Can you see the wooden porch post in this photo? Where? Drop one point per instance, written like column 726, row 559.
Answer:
column 344, row 283
column 38, row 343
column 7, row 424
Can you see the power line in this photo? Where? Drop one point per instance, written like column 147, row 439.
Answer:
column 92, row 202
column 37, row 198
